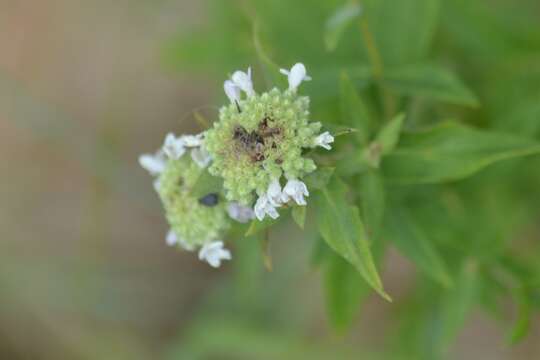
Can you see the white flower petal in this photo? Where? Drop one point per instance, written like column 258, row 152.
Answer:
column 201, row 156
column 173, row 240
column 173, row 147
column 324, row 140
column 214, row 253
column 156, row 185
column 264, row 207
column 192, row 140
column 275, row 196
column 296, row 75
column 296, row 190
column 232, row 91
column 240, row 213
column 154, row 164
column 243, row 81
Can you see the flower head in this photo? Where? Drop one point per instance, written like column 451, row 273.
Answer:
column 259, row 139
column 296, row 190
column 324, row 140
column 195, row 219
column 296, row 75
column 214, row 253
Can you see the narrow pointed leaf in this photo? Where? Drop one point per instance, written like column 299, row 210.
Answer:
column 341, row 227
column 451, row 151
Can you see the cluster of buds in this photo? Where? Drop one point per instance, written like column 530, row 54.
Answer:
column 258, row 140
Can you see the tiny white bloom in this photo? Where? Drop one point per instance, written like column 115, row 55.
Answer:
column 173, row 147
column 156, row 184
column 243, row 81
column 296, row 190
column 192, row 140
column 172, row 240
column 201, row 156
column 296, row 75
column 324, row 140
column 232, row 91
column 240, row 213
column 214, row 253
column 275, row 196
column 264, row 207
column 154, row 164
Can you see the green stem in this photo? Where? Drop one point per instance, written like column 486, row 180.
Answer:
column 389, row 104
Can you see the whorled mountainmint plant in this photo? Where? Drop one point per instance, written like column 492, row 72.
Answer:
column 260, row 139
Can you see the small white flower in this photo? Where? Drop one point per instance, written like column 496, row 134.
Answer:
column 240, row 213
column 296, row 75
column 324, row 140
column 264, row 207
column 232, row 91
column 201, row 156
column 156, row 184
column 296, row 190
column 243, row 81
column 173, row 147
column 154, row 164
column 214, row 253
column 192, row 140
column 274, row 194
column 172, row 240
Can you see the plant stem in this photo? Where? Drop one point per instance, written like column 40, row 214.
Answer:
column 389, row 104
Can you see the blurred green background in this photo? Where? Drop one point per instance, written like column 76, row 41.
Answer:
column 86, row 86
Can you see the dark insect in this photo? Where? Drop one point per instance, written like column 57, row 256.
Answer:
column 253, row 143
column 265, row 130
column 209, row 200
column 249, row 142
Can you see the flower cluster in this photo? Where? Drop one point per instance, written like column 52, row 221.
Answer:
column 195, row 221
column 261, row 138
column 258, row 140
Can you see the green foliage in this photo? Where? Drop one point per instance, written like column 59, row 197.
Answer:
column 459, row 199
column 450, row 151
column 341, row 227
column 431, row 82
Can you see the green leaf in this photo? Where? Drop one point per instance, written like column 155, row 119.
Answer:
column 337, row 24
column 450, row 151
column 372, row 198
column 522, row 325
column 319, row 179
column 429, row 81
column 412, row 242
column 353, row 110
column 299, row 216
column 403, row 29
column 344, row 291
column 342, row 229
column 389, row 135
column 456, row 304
